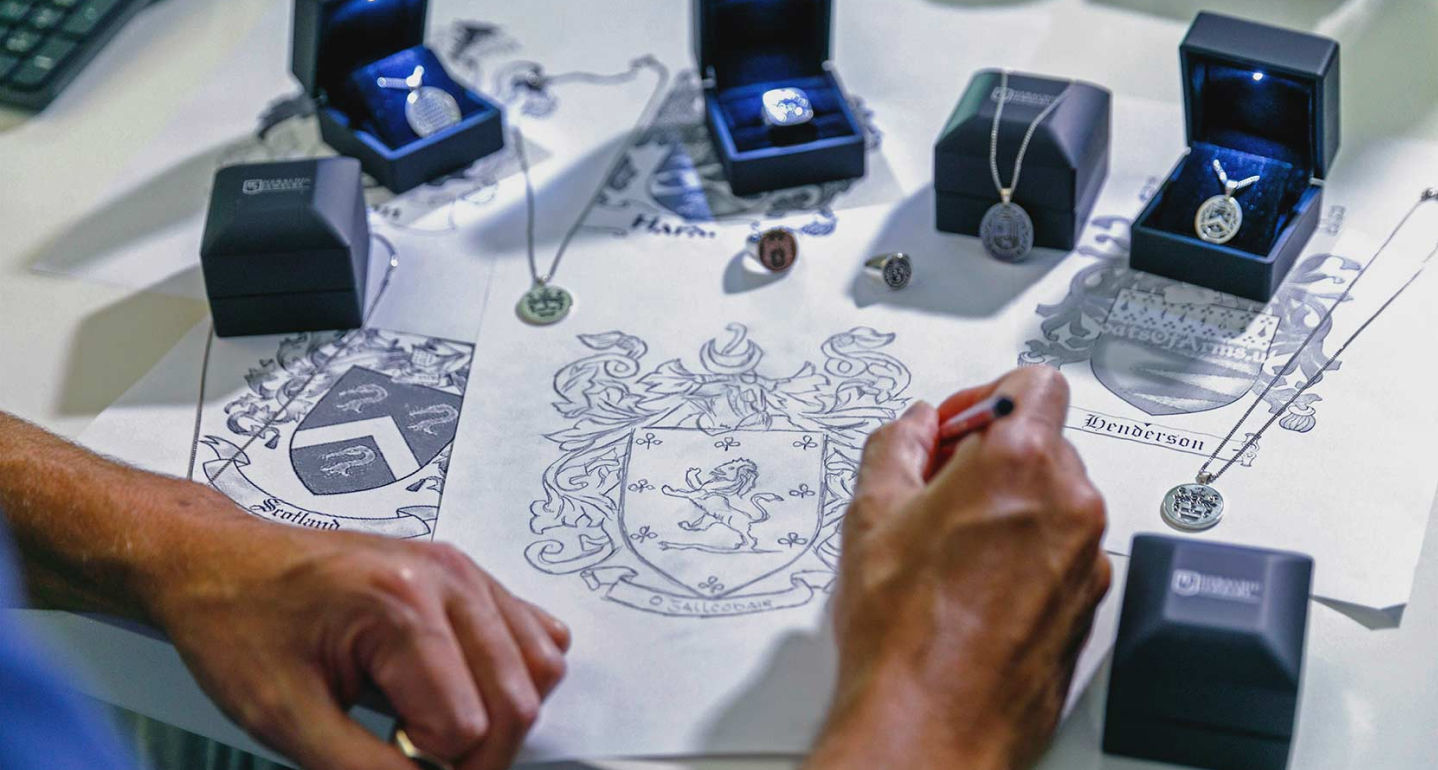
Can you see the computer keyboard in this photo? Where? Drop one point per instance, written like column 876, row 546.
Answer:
column 45, row 43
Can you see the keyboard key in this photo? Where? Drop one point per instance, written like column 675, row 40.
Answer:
column 88, row 16
column 21, row 41
column 46, row 18
column 33, row 73
column 12, row 11
column 7, row 63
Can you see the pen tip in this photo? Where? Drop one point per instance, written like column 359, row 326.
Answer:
column 1003, row 406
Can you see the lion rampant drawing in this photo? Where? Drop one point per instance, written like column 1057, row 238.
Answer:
column 723, row 499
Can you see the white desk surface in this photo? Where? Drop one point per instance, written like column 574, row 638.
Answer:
column 69, row 348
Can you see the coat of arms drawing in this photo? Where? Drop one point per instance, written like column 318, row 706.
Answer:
column 341, row 430
column 713, row 490
column 1169, row 348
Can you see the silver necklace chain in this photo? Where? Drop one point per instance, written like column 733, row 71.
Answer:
column 529, row 204
column 1204, row 477
column 1006, row 193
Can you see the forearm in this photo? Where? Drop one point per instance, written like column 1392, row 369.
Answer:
column 96, row 535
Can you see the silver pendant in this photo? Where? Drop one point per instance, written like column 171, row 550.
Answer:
column 544, row 304
column 1007, row 232
column 430, row 110
column 1192, row 507
column 1218, row 219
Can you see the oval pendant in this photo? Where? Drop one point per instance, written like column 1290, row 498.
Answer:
column 544, row 304
column 1192, row 507
column 1218, row 219
column 1007, row 232
column 429, row 110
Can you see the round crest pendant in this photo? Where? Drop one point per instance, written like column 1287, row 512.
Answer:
column 1218, row 219
column 430, row 110
column 1007, row 232
column 1192, row 507
column 544, row 304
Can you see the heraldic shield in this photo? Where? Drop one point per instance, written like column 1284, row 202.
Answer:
column 714, row 513
column 1180, row 357
column 369, row 431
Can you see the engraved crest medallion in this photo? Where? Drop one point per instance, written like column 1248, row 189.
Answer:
column 1007, row 232
column 545, row 304
column 1218, row 219
column 429, row 110
column 1192, row 507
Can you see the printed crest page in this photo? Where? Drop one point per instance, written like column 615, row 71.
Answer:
column 667, row 470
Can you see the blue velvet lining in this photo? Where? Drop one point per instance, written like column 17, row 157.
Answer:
column 1268, row 205
column 381, row 111
column 743, row 112
column 756, row 41
column 1271, row 116
column 355, row 32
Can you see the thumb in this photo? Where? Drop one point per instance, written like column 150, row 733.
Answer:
column 896, row 459
column 310, row 728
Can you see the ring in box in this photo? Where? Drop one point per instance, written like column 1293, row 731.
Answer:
column 1209, row 656
column 747, row 48
column 1064, row 167
column 341, row 50
column 286, row 247
column 1262, row 101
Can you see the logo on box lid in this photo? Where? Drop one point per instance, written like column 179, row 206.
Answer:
column 297, row 184
column 1188, row 583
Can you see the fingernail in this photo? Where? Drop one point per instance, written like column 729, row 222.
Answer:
column 915, row 408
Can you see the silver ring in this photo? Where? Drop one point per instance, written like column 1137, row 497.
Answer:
column 784, row 107
column 895, row 270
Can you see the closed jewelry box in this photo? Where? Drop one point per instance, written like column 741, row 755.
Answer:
column 340, row 50
column 1063, row 169
column 1207, row 666
column 747, row 48
column 1260, row 101
column 286, row 247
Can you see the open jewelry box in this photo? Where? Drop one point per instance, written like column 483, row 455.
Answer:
column 340, row 50
column 1262, row 101
column 746, row 48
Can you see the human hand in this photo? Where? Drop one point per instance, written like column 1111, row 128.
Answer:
column 284, row 628
column 967, row 585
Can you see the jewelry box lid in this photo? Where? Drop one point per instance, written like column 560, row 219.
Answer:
column 744, row 42
column 1211, row 635
column 285, row 228
column 1261, row 89
column 334, row 37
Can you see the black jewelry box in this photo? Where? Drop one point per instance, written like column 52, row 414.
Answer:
column 1063, row 170
column 286, row 247
column 1261, row 100
column 1209, row 655
column 747, row 47
column 335, row 38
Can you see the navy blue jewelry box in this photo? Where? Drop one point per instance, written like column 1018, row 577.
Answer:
column 1261, row 100
column 747, row 47
column 1207, row 665
column 286, row 247
column 1064, row 168
column 339, row 49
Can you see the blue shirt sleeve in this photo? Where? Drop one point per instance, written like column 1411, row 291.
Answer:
column 43, row 722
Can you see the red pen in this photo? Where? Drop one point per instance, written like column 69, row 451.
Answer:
column 976, row 417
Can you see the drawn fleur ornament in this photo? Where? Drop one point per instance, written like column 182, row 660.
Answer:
column 1300, row 417
column 720, row 534
column 793, row 539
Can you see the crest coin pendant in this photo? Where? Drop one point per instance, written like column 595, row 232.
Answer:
column 1218, row 219
column 545, row 304
column 430, row 110
column 1007, row 232
column 1192, row 507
